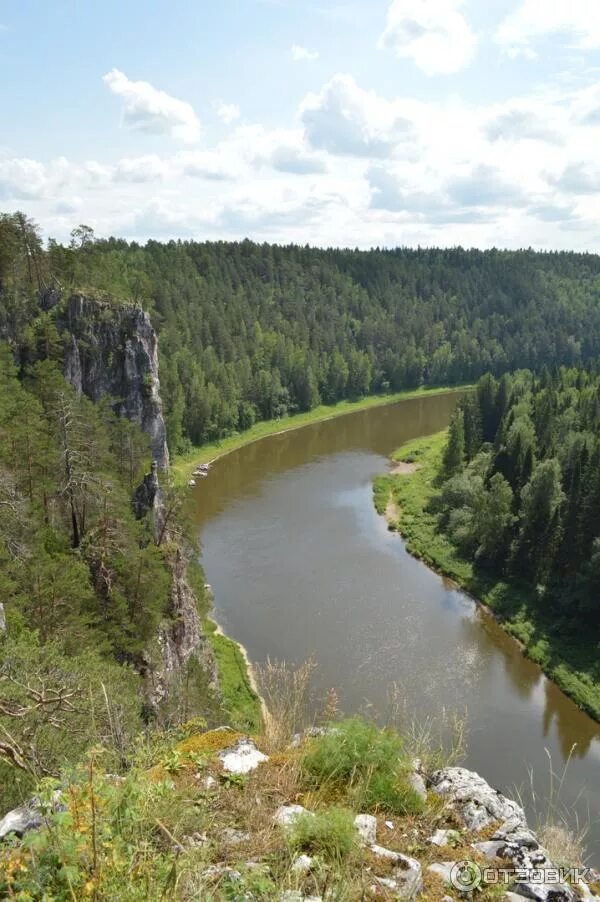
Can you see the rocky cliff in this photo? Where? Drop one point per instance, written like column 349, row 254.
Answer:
column 113, row 351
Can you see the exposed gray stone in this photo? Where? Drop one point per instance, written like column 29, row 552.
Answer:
column 219, row 871
column 545, row 892
column 242, row 757
column 490, row 849
column 443, row 837
column 287, row 814
column 473, row 799
column 234, row 837
column 407, row 875
column 113, row 351
column 302, row 864
column 418, row 784
column 443, row 869
column 30, row 816
column 366, row 826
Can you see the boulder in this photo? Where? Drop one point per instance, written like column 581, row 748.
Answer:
column 407, row 875
column 443, row 837
column 366, row 826
column 474, row 800
column 417, row 783
column 30, row 816
column 242, row 758
column 287, row 814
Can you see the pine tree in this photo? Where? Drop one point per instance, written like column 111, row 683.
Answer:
column 453, row 459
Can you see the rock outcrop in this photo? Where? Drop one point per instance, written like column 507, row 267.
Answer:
column 113, row 351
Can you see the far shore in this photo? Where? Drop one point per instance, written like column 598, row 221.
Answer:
column 183, row 465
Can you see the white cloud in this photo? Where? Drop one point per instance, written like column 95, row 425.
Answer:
column 147, row 109
column 532, row 119
column 24, row 179
column 146, row 168
column 211, row 165
column 283, row 150
column 227, row 112
column 345, row 119
column 433, row 33
column 536, row 19
column 302, row 54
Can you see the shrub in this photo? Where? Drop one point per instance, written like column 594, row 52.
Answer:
column 329, row 834
column 366, row 764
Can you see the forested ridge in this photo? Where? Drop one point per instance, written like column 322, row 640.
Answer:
column 255, row 331
column 521, row 489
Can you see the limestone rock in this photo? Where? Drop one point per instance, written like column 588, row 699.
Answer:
column 234, row 837
column 218, row 871
column 113, row 351
column 366, row 826
column 474, row 800
column 242, row 758
column 417, row 783
column 302, row 864
column 287, row 814
column 443, row 837
column 443, row 869
column 29, row 816
column 545, row 892
column 407, row 875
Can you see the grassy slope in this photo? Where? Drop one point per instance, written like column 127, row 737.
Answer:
column 240, row 701
column 183, row 465
column 564, row 657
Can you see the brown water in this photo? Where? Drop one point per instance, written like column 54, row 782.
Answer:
column 302, row 565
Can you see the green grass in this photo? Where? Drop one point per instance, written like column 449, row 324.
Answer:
column 183, row 465
column 367, row 764
column 239, row 700
column 329, row 834
column 564, row 656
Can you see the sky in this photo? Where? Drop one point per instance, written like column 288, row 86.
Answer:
column 354, row 123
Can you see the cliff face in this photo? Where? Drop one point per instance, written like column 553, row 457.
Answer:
column 114, row 351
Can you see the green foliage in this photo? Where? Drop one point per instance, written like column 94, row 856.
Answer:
column 454, row 454
column 365, row 763
column 56, row 704
column 255, row 332
column 329, row 834
column 530, row 555
column 239, row 700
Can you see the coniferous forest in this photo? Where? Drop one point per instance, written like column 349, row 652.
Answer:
column 255, row 331
column 521, row 489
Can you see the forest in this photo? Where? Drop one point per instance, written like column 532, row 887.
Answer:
column 255, row 331
column 520, row 489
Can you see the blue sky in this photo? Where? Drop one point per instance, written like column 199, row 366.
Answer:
column 366, row 122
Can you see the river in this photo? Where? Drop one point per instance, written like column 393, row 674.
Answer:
column 301, row 565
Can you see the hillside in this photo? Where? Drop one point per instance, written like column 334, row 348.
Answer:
column 255, row 331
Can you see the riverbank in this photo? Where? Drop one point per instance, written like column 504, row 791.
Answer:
column 183, row 465
column 405, row 498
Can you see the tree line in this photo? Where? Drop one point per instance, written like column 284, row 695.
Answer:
column 255, row 331
column 520, row 490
